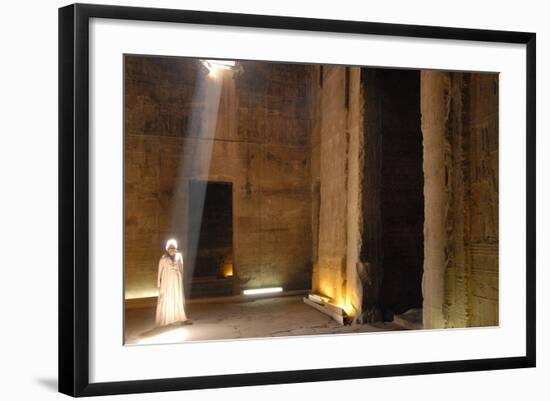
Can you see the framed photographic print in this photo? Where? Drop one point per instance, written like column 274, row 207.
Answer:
column 254, row 199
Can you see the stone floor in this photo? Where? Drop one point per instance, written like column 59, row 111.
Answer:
column 267, row 317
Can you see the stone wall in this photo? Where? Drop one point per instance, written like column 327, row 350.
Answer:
column 251, row 130
column 460, row 130
column 483, row 198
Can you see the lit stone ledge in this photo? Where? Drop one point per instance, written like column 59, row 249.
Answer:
column 329, row 309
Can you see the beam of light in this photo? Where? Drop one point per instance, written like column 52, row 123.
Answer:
column 257, row 291
column 193, row 171
column 175, row 335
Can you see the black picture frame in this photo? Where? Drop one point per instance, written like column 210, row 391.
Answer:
column 74, row 201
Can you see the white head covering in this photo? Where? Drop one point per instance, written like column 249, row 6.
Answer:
column 171, row 242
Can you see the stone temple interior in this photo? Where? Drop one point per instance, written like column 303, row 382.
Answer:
column 375, row 189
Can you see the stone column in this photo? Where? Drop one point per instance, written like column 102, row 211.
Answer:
column 460, row 134
column 435, row 103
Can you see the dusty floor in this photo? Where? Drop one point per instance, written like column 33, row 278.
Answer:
column 268, row 317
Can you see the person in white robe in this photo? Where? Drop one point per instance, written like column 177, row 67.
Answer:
column 171, row 299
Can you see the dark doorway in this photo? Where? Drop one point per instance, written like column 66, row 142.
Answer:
column 210, row 227
column 395, row 186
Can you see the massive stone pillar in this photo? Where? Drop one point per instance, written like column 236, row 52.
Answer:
column 435, row 103
column 329, row 177
column 337, row 170
column 460, row 133
column 355, row 184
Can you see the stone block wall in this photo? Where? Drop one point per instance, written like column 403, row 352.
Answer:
column 252, row 130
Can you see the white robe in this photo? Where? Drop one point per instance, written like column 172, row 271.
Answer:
column 171, row 300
